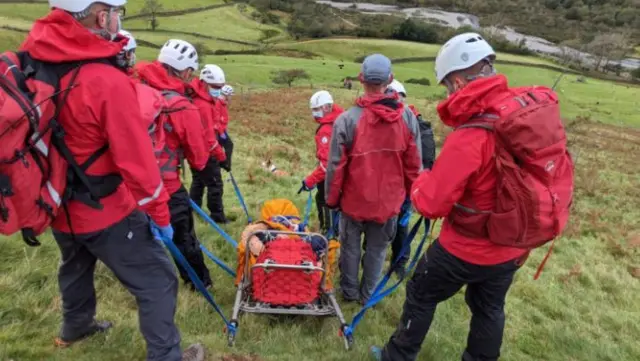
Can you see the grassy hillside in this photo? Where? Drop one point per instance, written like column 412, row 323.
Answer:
column 227, row 22
column 584, row 307
column 552, row 319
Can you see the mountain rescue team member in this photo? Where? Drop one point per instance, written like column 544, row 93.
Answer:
column 464, row 173
column 325, row 113
column 204, row 92
column 428, row 157
column 375, row 147
column 93, row 116
column 226, row 92
column 170, row 73
column 129, row 52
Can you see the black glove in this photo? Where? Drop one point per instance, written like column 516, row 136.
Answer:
column 304, row 187
column 226, row 165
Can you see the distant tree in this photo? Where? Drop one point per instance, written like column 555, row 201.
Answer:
column 416, row 31
column 201, row 48
column 151, row 8
column 289, row 76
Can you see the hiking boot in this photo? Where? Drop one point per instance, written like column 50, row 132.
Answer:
column 95, row 327
column 220, row 219
column 194, row 352
column 376, row 353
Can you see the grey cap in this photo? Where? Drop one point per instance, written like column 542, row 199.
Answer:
column 376, row 69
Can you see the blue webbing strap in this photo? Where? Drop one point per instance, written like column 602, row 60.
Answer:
column 240, row 198
column 196, row 280
column 217, row 261
column 379, row 293
column 335, row 224
column 213, row 224
column 307, row 211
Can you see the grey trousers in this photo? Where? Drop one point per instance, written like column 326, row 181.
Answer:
column 377, row 236
column 140, row 263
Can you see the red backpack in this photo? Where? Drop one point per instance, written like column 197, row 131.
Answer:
column 170, row 161
column 535, row 171
column 38, row 173
column 153, row 108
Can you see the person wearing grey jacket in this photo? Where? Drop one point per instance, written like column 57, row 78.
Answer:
column 374, row 157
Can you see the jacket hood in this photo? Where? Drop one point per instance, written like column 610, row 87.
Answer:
column 200, row 89
column 471, row 100
column 331, row 117
column 58, row 37
column 385, row 107
column 158, row 77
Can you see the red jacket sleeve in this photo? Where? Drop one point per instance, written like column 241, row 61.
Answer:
column 435, row 192
column 192, row 141
column 123, row 123
column 323, row 139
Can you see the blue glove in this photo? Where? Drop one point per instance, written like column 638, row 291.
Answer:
column 305, row 187
column 161, row 233
column 405, row 213
column 224, row 135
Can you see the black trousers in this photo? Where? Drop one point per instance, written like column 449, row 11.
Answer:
column 184, row 236
column 211, row 179
column 140, row 263
column 438, row 276
column 396, row 246
column 324, row 213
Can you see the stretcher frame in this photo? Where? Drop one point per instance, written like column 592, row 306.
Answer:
column 326, row 305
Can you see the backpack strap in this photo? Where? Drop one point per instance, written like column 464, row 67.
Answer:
column 18, row 75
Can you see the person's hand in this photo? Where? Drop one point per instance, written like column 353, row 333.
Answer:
column 161, row 233
column 224, row 135
column 305, row 187
column 226, row 165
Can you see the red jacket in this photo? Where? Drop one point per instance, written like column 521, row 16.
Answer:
column 223, row 115
column 464, row 173
column 323, row 139
column 374, row 158
column 209, row 115
column 101, row 109
column 187, row 131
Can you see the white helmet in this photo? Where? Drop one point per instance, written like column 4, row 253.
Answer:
column 212, row 74
column 227, row 90
column 462, row 52
column 179, row 55
column 132, row 41
column 320, row 98
column 397, row 87
column 76, row 6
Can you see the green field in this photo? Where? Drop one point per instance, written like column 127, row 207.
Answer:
column 227, row 22
column 585, row 307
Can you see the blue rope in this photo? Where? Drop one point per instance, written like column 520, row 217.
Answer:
column 335, row 224
column 213, row 224
column 380, row 293
column 196, row 280
column 217, row 261
column 239, row 194
column 307, row 211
